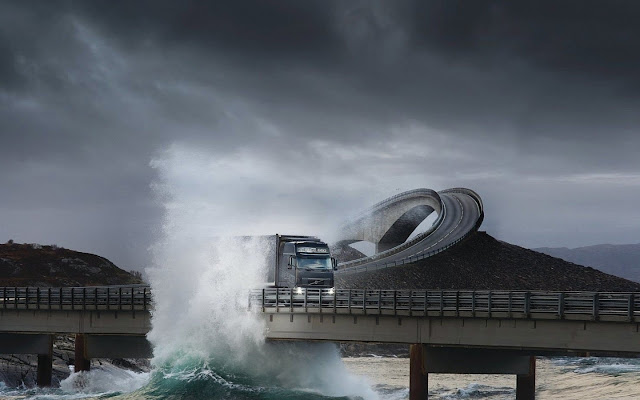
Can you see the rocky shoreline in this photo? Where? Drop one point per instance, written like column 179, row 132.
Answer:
column 20, row 370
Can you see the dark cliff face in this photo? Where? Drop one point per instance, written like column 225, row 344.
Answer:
column 484, row 263
column 35, row 265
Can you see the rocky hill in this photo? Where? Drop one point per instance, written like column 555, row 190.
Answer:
column 36, row 265
column 484, row 263
column 621, row 260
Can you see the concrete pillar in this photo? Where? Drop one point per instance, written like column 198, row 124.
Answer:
column 526, row 384
column 45, row 366
column 418, row 378
column 82, row 363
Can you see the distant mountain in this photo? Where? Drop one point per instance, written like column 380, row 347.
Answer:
column 36, row 265
column 483, row 263
column 620, row 260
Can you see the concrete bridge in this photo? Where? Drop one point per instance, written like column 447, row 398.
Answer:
column 448, row 331
column 108, row 322
column 483, row 332
column 389, row 224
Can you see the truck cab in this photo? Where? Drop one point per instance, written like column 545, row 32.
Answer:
column 305, row 262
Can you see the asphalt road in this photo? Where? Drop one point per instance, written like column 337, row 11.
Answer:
column 461, row 215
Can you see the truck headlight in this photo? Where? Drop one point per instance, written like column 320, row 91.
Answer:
column 332, row 291
column 299, row 290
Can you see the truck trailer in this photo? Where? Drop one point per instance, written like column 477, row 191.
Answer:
column 299, row 262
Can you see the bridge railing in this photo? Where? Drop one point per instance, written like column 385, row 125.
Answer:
column 452, row 303
column 91, row 298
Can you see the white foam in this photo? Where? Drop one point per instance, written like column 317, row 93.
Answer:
column 200, row 283
column 103, row 379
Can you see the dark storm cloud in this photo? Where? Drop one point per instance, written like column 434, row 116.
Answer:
column 416, row 93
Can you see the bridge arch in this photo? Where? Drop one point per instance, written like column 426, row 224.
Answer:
column 390, row 222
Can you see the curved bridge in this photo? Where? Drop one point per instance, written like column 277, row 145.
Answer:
column 389, row 224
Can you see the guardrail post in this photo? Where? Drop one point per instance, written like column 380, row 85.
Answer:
column 527, row 304
column 426, row 311
column 457, row 303
column 395, row 306
column 95, row 298
column 473, row 303
column 144, row 299
column 60, row 297
column 15, row 297
column 489, row 304
column 72, row 298
column 4, row 297
column 306, row 291
column 262, row 300
column 441, row 303
column 349, row 300
column 335, row 297
column 38, row 298
column 278, row 299
column 133, row 301
column 109, row 299
column 410, row 303
column 84, row 298
column 630, row 308
column 26, row 298
column 561, row 305
column 119, row 299
column 364, row 301
column 596, row 307
column 290, row 301
column 49, row 298
column 510, row 304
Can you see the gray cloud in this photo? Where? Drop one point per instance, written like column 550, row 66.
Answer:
column 534, row 105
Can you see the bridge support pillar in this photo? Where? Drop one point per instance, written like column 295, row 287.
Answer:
column 418, row 378
column 45, row 365
column 526, row 383
column 82, row 362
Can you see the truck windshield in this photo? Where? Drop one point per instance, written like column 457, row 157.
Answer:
column 315, row 262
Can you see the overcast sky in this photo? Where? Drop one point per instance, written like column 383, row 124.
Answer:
column 257, row 117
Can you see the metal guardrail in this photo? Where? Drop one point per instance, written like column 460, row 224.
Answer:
column 591, row 306
column 90, row 298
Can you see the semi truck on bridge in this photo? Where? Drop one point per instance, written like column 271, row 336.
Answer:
column 299, row 261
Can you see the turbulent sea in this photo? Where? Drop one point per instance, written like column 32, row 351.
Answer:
column 371, row 377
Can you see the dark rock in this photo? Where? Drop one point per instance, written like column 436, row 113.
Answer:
column 44, row 266
column 484, row 263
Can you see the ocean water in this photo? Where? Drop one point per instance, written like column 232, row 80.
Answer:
column 386, row 377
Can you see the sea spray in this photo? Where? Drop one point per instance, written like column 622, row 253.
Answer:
column 206, row 340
